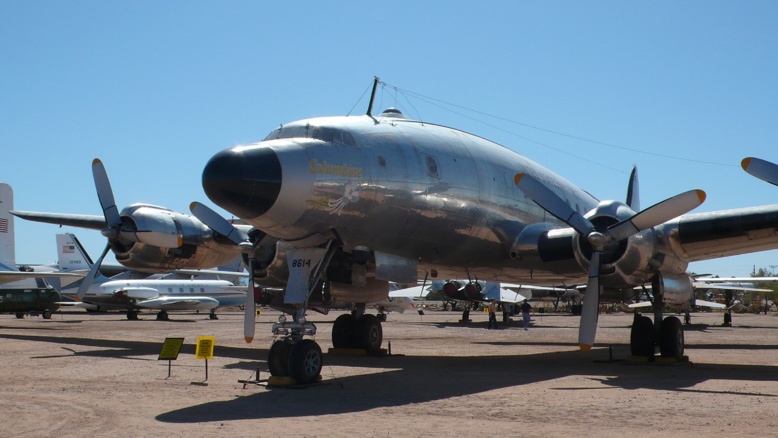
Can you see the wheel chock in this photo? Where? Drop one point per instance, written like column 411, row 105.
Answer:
column 671, row 360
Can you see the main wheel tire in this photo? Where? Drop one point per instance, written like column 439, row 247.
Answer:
column 47, row 314
column 305, row 361
column 343, row 331
column 671, row 340
column 132, row 315
column 20, row 315
column 278, row 358
column 369, row 334
column 641, row 339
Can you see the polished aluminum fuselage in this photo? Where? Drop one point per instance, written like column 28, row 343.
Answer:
column 445, row 203
column 435, row 195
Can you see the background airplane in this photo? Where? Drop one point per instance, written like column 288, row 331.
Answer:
column 123, row 292
column 23, row 291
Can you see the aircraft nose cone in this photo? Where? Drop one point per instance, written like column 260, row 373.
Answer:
column 244, row 180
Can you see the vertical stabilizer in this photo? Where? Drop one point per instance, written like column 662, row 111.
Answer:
column 7, row 244
column 71, row 255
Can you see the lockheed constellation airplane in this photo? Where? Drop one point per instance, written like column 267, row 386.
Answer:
column 364, row 200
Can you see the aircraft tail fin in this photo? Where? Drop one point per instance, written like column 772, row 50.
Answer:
column 71, row 254
column 7, row 242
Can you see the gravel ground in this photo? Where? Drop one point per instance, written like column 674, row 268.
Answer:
column 79, row 375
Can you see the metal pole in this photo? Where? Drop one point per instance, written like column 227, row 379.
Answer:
column 372, row 97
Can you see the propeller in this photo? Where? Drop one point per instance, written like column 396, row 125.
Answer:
column 217, row 223
column 116, row 229
column 600, row 238
column 764, row 170
column 113, row 222
column 222, row 226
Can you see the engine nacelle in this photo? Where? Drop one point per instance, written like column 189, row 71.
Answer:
column 624, row 264
column 542, row 246
column 452, row 290
column 677, row 289
column 155, row 239
column 152, row 226
column 474, row 291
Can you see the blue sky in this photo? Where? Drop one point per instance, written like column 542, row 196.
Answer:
column 685, row 90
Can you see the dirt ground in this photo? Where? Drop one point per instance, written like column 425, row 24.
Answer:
column 80, row 375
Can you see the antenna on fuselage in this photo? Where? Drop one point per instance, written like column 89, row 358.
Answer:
column 372, row 98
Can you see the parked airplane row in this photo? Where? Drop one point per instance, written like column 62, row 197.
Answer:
column 359, row 202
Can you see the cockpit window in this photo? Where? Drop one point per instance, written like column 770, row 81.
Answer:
column 323, row 133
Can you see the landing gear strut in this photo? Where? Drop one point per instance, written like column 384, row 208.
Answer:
column 292, row 356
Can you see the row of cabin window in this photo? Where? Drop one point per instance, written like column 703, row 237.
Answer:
column 181, row 290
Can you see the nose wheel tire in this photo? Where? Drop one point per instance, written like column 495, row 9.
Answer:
column 278, row 358
column 305, row 361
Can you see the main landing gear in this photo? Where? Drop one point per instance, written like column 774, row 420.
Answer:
column 645, row 336
column 358, row 330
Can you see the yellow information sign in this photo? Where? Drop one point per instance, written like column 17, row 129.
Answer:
column 205, row 347
column 170, row 348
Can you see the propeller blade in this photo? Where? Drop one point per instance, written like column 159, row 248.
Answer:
column 552, row 203
column 105, row 194
column 250, row 311
column 633, row 190
column 657, row 214
column 217, row 223
column 90, row 277
column 764, row 170
column 591, row 306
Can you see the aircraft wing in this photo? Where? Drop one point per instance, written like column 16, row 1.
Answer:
column 504, row 295
column 394, row 304
column 179, row 303
column 73, row 220
column 410, row 292
column 531, row 291
column 739, row 280
column 709, row 304
column 12, row 276
column 703, row 285
column 702, row 303
column 197, row 272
